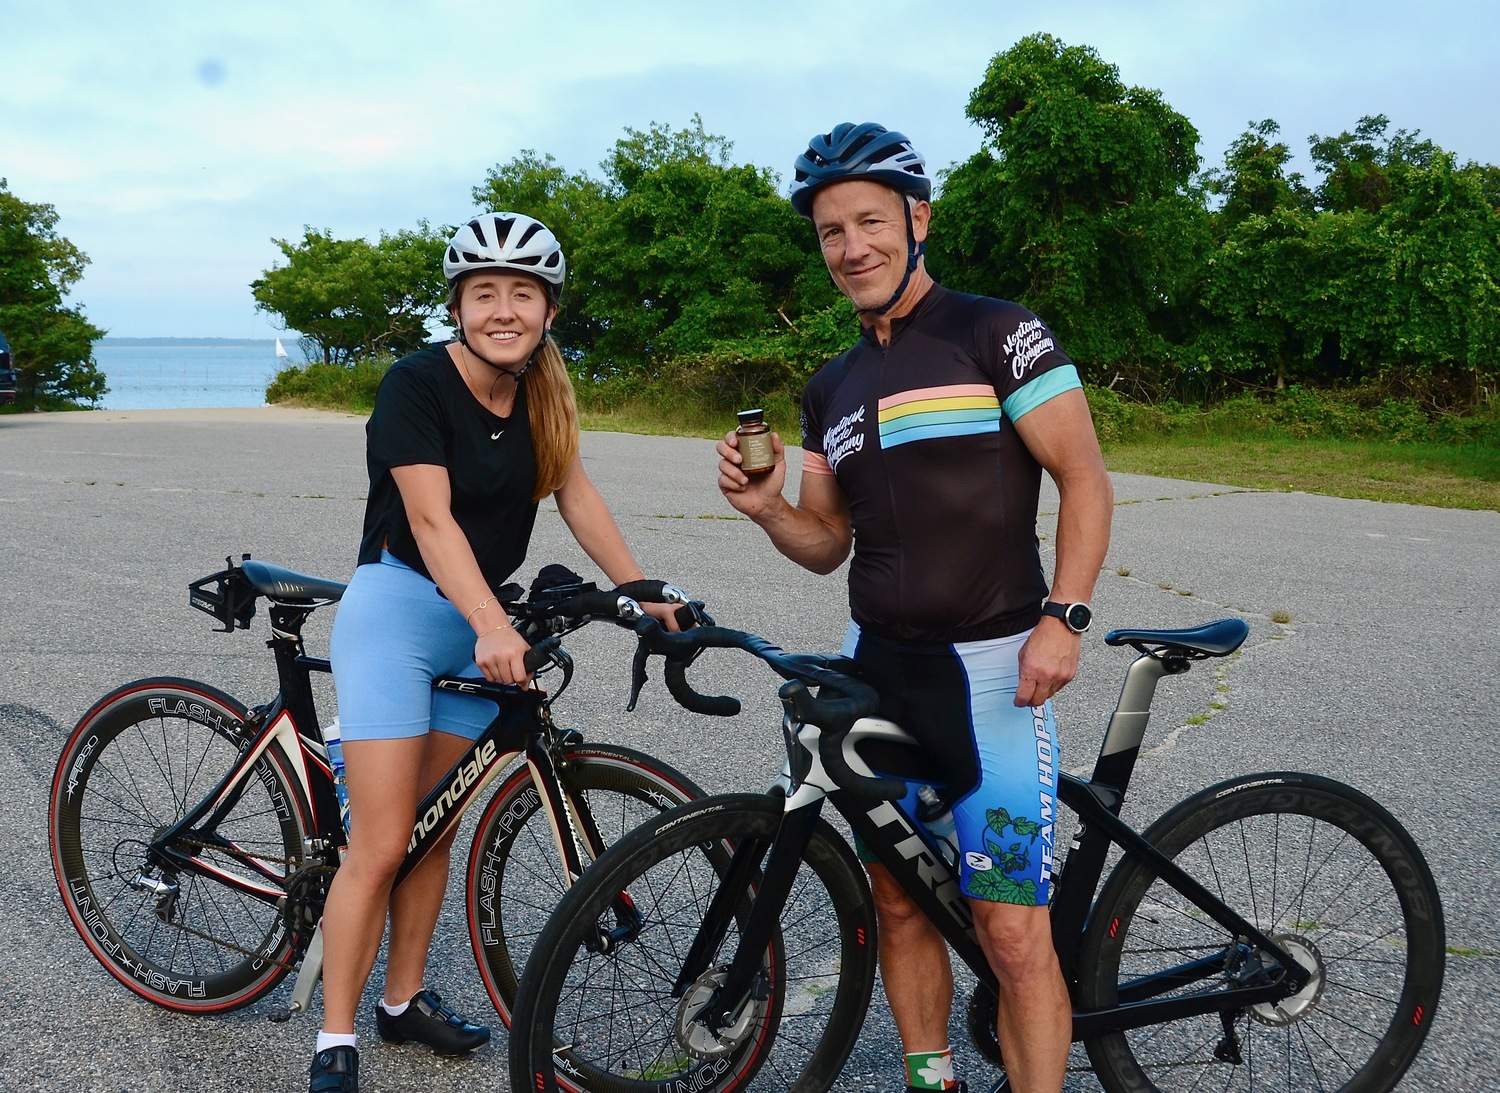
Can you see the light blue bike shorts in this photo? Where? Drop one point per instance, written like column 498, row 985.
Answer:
column 999, row 761
column 393, row 634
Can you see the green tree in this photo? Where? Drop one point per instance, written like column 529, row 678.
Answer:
column 1418, row 284
column 1363, row 170
column 1388, row 273
column 1254, row 180
column 1081, row 205
column 700, row 271
column 1263, row 292
column 1262, row 322
column 351, row 299
column 52, row 344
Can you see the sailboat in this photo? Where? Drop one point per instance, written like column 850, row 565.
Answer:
column 280, row 349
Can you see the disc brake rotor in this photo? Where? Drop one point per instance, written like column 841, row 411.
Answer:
column 1293, row 1008
column 696, row 1037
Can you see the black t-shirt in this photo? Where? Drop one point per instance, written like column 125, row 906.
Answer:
column 425, row 414
column 942, row 492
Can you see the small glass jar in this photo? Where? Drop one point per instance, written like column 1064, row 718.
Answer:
column 756, row 452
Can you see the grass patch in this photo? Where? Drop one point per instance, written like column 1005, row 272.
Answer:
column 1344, row 445
column 662, row 415
column 1459, row 476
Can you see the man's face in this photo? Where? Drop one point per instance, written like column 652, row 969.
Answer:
column 862, row 230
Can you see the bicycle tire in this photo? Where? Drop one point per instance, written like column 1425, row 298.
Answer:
column 609, row 1023
column 515, row 879
column 134, row 764
column 1329, row 874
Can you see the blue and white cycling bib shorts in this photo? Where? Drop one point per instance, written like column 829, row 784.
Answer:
column 393, row 634
column 999, row 760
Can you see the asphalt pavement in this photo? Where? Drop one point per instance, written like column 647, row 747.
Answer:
column 1373, row 657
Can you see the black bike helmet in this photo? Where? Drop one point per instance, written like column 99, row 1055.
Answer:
column 867, row 150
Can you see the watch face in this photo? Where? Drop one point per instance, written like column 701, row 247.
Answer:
column 1078, row 617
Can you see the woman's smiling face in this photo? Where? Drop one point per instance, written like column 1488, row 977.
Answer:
column 503, row 317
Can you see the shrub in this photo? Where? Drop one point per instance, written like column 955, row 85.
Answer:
column 330, row 386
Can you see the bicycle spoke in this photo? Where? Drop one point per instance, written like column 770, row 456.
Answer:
column 1301, row 872
column 186, row 935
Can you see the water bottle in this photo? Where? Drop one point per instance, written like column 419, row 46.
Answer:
column 335, row 744
column 937, row 817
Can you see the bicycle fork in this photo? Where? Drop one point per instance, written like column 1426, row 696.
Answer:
column 727, row 997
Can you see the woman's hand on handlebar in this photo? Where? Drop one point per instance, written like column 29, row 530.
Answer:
column 664, row 613
column 501, row 656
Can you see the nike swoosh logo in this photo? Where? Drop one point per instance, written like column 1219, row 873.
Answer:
column 497, row 436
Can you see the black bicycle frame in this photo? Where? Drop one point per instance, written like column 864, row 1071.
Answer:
column 522, row 724
column 904, row 847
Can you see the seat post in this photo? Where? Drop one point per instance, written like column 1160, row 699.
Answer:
column 1127, row 724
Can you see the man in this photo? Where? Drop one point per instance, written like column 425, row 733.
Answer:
column 923, row 450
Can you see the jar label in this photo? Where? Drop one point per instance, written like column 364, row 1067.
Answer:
column 758, row 452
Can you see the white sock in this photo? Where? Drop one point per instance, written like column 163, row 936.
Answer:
column 394, row 1011
column 327, row 1040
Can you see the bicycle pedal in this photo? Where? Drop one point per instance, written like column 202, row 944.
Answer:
column 279, row 1015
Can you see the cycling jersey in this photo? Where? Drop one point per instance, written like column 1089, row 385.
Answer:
column 942, row 493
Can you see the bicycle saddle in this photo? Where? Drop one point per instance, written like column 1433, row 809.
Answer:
column 280, row 583
column 1212, row 639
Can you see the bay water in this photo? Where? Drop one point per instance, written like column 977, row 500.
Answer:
column 183, row 373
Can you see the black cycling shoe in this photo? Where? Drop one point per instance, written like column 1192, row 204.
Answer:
column 334, row 1070
column 427, row 1021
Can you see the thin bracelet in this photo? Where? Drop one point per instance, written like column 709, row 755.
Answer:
column 490, row 631
column 482, row 605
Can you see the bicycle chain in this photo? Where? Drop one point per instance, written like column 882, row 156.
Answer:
column 290, row 964
column 286, row 863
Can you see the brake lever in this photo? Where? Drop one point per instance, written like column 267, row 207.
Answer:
column 693, row 614
column 637, row 674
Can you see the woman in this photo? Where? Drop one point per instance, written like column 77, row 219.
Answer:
column 465, row 439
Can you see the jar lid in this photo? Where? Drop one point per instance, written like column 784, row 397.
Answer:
column 751, row 417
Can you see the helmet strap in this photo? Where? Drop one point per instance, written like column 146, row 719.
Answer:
column 914, row 252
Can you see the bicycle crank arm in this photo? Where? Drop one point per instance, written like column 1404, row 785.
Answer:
column 307, row 979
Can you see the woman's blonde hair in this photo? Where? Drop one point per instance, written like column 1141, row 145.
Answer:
column 551, row 410
column 553, row 414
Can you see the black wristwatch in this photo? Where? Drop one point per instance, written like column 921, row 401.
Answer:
column 1077, row 616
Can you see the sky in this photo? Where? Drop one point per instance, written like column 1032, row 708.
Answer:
column 177, row 140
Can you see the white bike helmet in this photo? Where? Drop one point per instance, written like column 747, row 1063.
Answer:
column 867, row 151
column 510, row 241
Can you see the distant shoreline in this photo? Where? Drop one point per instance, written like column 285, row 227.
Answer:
column 183, row 414
column 187, row 342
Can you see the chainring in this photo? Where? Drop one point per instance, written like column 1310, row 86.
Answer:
column 306, row 892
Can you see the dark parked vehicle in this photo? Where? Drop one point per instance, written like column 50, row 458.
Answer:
column 7, row 374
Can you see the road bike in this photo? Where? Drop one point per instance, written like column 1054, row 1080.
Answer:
column 194, row 838
column 1276, row 931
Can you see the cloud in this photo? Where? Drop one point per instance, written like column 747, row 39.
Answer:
column 177, row 139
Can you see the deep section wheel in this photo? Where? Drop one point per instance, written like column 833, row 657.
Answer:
column 600, row 1008
column 515, row 877
column 1334, row 880
column 193, row 924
